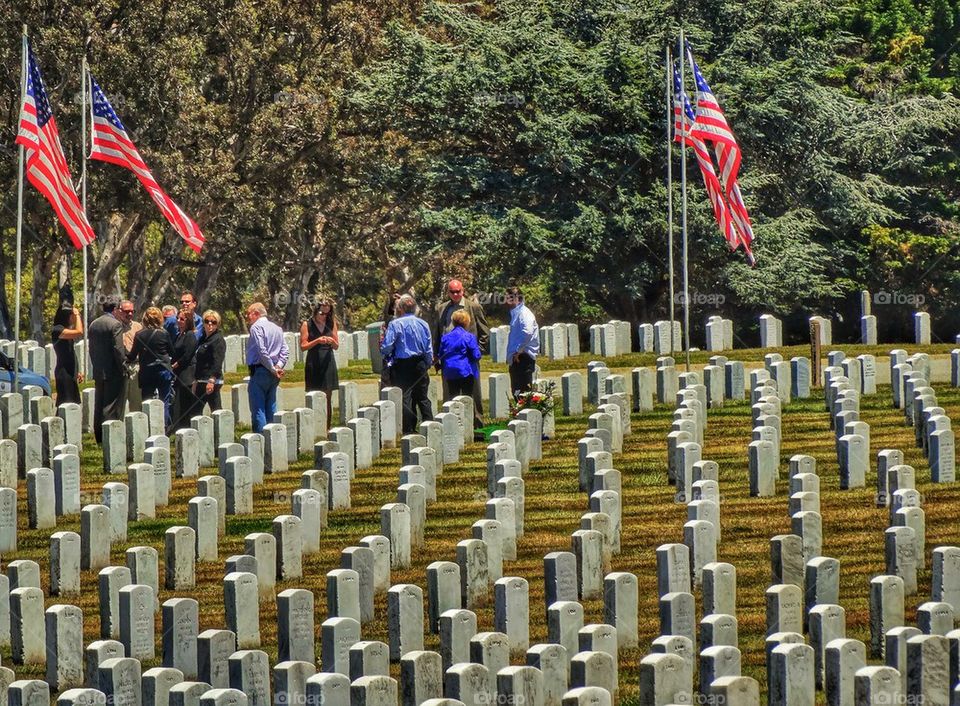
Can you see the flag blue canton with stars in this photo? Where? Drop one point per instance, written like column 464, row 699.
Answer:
column 687, row 108
column 36, row 91
column 102, row 107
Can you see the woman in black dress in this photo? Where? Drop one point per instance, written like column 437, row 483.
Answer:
column 67, row 328
column 183, row 366
column 211, row 349
column 152, row 348
column 319, row 337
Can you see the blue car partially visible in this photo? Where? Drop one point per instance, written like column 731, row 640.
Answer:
column 27, row 377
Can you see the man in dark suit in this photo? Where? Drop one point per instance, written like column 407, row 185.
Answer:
column 107, row 356
column 478, row 327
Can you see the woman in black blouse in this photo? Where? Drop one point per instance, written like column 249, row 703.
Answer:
column 319, row 337
column 67, row 328
column 183, row 349
column 208, row 375
column 152, row 347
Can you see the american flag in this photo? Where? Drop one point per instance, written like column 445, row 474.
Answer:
column 112, row 144
column 711, row 126
column 683, row 121
column 46, row 165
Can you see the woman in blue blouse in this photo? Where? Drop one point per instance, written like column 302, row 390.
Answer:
column 458, row 354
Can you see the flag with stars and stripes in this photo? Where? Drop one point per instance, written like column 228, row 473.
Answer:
column 712, row 127
column 112, row 144
column 46, row 165
column 683, row 121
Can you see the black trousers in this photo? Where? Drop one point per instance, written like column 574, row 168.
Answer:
column 200, row 399
column 412, row 375
column 109, row 398
column 452, row 388
column 182, row 404
column 521, row 373
column 459, row 386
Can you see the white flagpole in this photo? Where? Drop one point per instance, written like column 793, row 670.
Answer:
column 84, row 82
column 20, row 153
column 669, row 99
column 683, row 218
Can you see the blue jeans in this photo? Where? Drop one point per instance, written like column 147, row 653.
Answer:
column 157, row 383
column 262, row 393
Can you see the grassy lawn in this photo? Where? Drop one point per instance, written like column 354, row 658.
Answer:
column 853, row 526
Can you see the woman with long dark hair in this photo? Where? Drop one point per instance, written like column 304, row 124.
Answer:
column 67, row 328
column 319, row 336
column 183, row 366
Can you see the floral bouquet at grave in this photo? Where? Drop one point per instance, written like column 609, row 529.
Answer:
column 539, row 396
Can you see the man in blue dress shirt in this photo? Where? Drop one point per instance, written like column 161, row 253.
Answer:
column 523, row 343
column 267, row 354
column 407, row 342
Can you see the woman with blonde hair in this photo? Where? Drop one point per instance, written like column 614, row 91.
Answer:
column 152, row 348
column 459, row 354
column 208, row 374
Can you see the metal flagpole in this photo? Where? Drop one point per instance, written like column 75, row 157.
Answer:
column 683, row 220
column 669, row 95
column 83, row 200
column 20, row 153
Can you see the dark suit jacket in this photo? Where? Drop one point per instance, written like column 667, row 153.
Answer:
column 478, row 322
column 107, row 353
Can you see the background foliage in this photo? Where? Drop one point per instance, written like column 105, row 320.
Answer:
column 355, row 148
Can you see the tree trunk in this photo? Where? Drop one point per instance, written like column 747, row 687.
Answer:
column 117, row 235
column 42, row 261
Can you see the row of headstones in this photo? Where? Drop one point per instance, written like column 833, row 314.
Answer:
column 694, row 562
column 470, row 558
column 903, row 551
column 611, row 339
column 803, row 598
column 179, row 552
column 187, row 548
column 933, row 432
column 823, row 588
column 520, row 422
column 557, row 341
column 212, row 670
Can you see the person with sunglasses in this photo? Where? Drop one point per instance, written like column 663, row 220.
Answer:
column 208, row 373
column 130, row 329
column 188, row 302
column 477, row 325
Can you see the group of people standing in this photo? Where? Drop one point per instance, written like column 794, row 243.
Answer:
column 459, row 338
column 176, row 355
